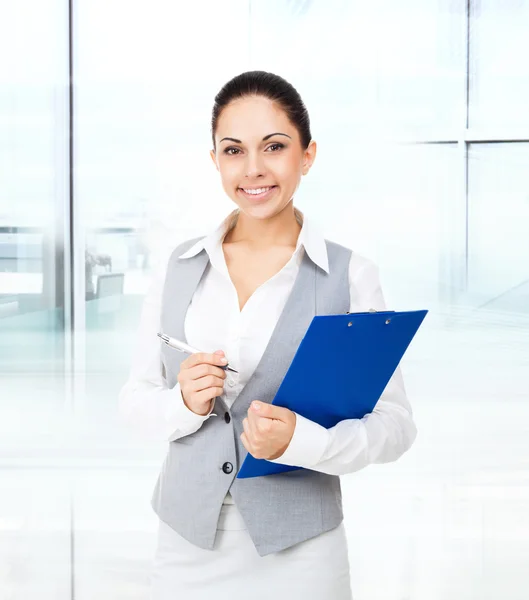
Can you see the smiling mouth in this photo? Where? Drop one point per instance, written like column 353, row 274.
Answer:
column 257, row 193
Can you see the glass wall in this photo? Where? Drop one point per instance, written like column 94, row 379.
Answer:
column 499, row 72
column 33, row 184
column 498, row 225
column 35, row 557
column 418, row 109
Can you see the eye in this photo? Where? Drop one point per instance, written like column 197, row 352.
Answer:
column 227, row 151
column 277, row 146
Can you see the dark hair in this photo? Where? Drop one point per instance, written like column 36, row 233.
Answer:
column 273, row 87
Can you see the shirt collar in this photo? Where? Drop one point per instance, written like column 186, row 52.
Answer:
column 310, row 237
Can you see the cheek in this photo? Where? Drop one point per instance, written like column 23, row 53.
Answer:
column 229, row 172
column 288, row 170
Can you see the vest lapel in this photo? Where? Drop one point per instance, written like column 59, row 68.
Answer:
column 284, row 341
column 286, row 337
column 177, row 300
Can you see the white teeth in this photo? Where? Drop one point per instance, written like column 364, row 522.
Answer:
column 259, row 191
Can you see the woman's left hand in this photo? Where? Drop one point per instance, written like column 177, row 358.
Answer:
column 268, row 430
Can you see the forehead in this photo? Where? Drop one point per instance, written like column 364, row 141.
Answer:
column 253, row 117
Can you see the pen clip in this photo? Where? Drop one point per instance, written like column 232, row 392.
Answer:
column 165, row 339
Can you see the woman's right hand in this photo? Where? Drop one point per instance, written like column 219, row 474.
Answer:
column 201, row 380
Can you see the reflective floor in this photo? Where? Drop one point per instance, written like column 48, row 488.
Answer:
column 448, row 520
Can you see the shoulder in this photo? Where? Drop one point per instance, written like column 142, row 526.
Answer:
column 183, row 247
column 364, row 282
column 171, row 254
column 359, row 267
column 362, row 268
column 168, row 255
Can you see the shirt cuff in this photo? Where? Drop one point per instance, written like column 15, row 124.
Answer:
column 184, row 420
column 307, row 445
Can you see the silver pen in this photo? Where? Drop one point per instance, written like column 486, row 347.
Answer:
column 183, row 347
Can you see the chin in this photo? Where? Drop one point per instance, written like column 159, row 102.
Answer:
column 265, row 211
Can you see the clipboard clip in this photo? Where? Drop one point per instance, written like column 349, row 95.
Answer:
column 372, row 311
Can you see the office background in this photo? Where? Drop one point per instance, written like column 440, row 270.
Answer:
column 420, row 112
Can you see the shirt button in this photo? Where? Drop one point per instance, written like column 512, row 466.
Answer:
column 227, row 417
column 231, row 383
column 227, row 467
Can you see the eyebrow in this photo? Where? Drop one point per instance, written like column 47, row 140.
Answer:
column 266, row 137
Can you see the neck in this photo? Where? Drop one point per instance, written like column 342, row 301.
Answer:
column 259, row 234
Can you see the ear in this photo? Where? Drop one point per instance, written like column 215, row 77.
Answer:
column 309, row 156
column 214, row 158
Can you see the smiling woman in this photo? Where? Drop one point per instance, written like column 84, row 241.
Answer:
column 251, row 288
column 262, row 142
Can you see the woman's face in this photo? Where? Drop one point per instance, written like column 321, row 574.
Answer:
column 259, row 156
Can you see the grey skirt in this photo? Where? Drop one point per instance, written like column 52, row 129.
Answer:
column 317, row 568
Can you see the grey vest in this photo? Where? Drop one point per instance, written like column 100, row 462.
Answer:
column 199, row 469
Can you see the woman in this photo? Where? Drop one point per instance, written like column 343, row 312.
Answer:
column 247, row 292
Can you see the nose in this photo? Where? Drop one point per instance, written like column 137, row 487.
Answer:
column 254, row 166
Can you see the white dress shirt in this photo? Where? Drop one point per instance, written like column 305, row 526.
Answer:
column 214, row 322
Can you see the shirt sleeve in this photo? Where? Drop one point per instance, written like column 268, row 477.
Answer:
column 146, row 403
column 379, row 437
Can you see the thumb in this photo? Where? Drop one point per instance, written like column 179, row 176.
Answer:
column 219, row 352
column 268, row 411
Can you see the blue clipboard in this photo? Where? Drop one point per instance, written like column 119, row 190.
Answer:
column 339, row 371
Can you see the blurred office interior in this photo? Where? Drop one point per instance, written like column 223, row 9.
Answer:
column 420, row 112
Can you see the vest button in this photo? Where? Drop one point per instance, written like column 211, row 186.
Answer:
column 227, row 467
column 227, row 417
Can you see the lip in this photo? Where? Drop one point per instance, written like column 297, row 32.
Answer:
column 260, row 197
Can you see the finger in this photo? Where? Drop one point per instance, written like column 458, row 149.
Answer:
column 204, row 357
column 260, row 427
column 246, row 443
column 203, row 370
column 206, row 382
column 268, row 411
column 252, row 431
column 247, row 430
column 208, row 394
column 264, row 426
column 253, row 419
